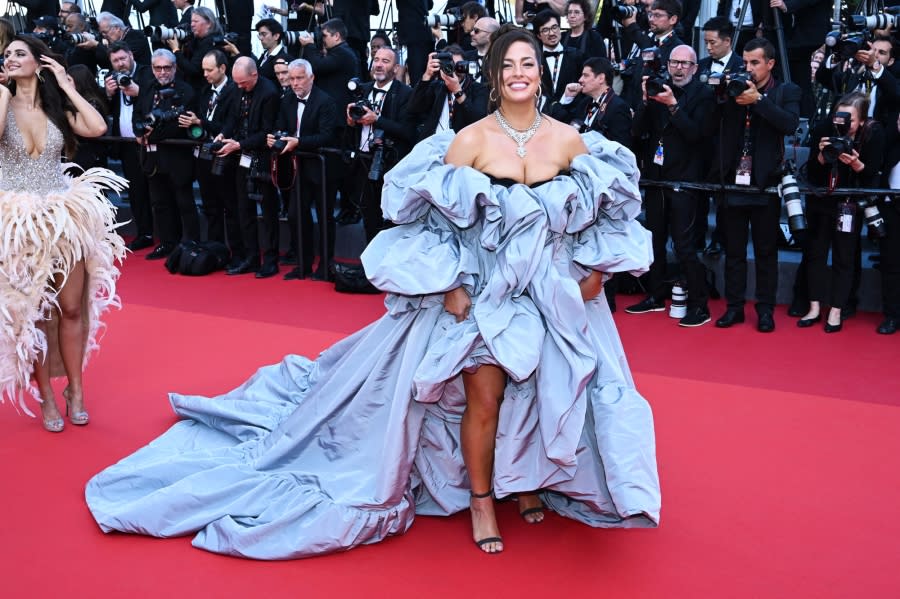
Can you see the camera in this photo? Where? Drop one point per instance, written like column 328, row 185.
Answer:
column 279, row 143
column 736, row 83
column 163, row 33
column 209, row 151
column 377, row 144
column 161, row 115
column 360, row 103
column 121, row 79
column 78, row 38
column 873, row 218
column 446, row 60
column 789, row 192
column 840, row 142
column 623, row 11
column 219, row 40
column 449, row 19
column 656, row 73
column 292, row 38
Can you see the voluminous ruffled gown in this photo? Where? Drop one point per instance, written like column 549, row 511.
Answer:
column 49, row 221
column 308, row 457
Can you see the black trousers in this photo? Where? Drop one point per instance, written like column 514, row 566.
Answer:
column 219, row 203
column 367, row 195
column 890, row 260
column 674, row 213
column 761, row 221
column 174, row 209
column 257, row 235
column 138, row 190
column 831, row 288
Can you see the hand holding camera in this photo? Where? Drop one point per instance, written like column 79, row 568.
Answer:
column 188, row 119
column 282, row 142
column 664, row 94
column 432, row 68
column 749, row 96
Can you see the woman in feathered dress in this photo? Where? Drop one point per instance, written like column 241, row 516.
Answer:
column 58, row 244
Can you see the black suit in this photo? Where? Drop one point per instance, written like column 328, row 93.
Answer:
column 394, row 120
column 735, row 63
column 185, row 20
column 426, row 105
column 674, row 137
column 256, row 113
column 885, row 91
column 120, row 8
column 589, row 44
column 614, row 122
column 217, row 192
column 135, row 40
column 189, row 59
column 773, row 117
column 333, row 70
column 37, row 9
column 265, row 64
column 634, row 38
column 169, row 168
column 318, row 128
column 162, row 12
column 568, row 71
column 890, row 245
column 130, row 155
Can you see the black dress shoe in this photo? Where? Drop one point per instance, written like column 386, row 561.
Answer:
column 731, row 317
column 140, row 242
column 765, row 322
column 888, row 326
column 243, row 267
column 650, row 304
column 834, row 328
column 804, row 323
column 269, row 269
column 160, row 252
column 798, row 309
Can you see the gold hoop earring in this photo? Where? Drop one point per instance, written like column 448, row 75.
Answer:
column 539, row 92
column 492, row 96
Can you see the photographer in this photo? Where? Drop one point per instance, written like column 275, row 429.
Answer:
column 245, row 138
column 38, row 9
column 467, row 15
column 169, row 168
column 133, row 77
column 481, row 41
column 662, row 18
column 447, row 97
column 413, row 33
column 379, row 125
column 76, row 27
column 868, row 72
column 580, row 35
column 113, row 29
column 847, row 152
column 676, row 117
column 307, row 120
column 205, row 33
column 46, row 29
column 592, row 105
column 753, row 125
column 270, row 35
column 526, row 10
column 216, row 105
column 561, row 65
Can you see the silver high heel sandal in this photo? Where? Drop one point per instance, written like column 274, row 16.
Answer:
column 79, row 418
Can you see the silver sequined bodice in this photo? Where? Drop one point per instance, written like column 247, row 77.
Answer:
column 20, row 172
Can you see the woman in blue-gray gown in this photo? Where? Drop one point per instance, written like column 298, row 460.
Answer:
column 496, row 371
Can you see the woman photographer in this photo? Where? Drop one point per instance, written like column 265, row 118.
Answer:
column 845, row 152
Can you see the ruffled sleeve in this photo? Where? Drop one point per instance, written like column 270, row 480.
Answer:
column 603, row 214
column 436, row 208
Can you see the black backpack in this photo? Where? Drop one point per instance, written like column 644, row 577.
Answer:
column 196, row 259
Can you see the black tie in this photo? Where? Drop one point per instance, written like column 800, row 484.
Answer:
column 302, row 100
column 719, row 62
column 553, row 54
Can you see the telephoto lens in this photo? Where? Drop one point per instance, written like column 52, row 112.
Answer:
column 873, row 218
column 789, row 192
column 678, row 309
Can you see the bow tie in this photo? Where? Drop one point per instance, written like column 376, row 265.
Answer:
column 719, row 62
column 553, row 54
column 303, row 100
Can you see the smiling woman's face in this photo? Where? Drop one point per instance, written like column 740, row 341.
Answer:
column 19, row 63
column 521, row 73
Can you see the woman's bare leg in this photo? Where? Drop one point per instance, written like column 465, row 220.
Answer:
column 49, row 411
column 484, row 391
column 71, row 335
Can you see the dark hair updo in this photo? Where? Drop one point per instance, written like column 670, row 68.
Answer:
column 501, row 40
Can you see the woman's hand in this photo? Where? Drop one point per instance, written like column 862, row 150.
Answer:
column 591, row 285
column 59, row 71
column 458, row 303
column 852, row 160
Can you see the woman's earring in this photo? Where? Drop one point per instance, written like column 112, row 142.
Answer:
column 39, row 75
column 538, row 94
column 492, row 96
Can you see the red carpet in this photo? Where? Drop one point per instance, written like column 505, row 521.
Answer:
column 779, row 456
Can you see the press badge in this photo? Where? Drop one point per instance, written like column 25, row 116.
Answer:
column 846, row 214
column 151, row 148
column 196, row 151
column 745, row 167
column 659, row 155
column 246, row 159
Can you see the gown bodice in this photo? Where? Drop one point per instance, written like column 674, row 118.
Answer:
column 21, row 172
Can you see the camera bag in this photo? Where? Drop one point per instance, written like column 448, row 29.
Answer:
column 197, row 258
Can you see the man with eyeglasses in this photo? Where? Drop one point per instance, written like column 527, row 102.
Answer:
column 481, row 43
column 113, row 29
column 270, row 33
column 674, row 123
column 169, row 168
column 561, row 65
column 662, row 18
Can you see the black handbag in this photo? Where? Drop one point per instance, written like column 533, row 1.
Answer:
column 351, row 278
column 197, row 258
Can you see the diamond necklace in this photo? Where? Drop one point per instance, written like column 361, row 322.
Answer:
column 520, row 137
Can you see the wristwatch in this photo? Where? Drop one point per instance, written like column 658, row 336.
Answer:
column 458, row 94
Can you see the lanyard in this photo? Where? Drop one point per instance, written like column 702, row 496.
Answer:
column 747, row 141
column 598, row 109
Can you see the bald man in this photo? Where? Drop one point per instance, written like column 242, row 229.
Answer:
column 678, row 119
column 245, row 140
column 481, row 42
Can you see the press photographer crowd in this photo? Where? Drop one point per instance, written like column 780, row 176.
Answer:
column 315, row 118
